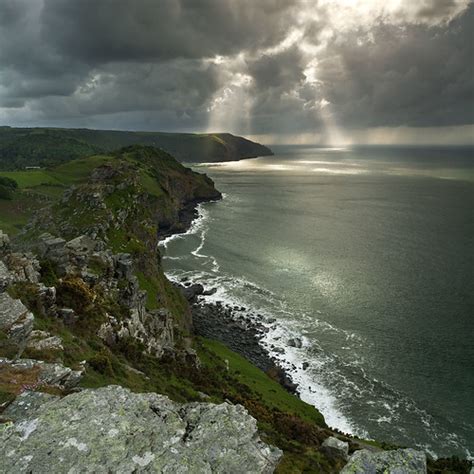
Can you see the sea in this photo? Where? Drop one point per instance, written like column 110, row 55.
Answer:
column 367, row 256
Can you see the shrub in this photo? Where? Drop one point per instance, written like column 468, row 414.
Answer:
column 101, row 363
column 8, row 183
column 73, row 292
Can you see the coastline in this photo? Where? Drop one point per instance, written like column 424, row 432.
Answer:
column 197, row 257
column 246, row 332
column 223, row 322
column 253, row 335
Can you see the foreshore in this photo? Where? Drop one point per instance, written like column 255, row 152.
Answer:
column 240, row 332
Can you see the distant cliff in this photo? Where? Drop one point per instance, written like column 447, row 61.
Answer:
column 24, row 147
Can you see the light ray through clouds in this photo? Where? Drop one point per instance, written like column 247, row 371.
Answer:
column 279, row 71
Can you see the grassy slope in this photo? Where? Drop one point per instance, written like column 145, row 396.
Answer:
column 20, row 147
column 38, row 187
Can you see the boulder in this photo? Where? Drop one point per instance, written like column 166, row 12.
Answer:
column 82, row 244
column 42, row 340
column 123, row 265
column 5, row 277
column 400, row 461
column 192, row 292
column 4, row 241
column 68, row 316
column 114, row 430
column 50, row 246
column 16, row 324
column 335, row 447
column 295, row 342
column 37, row 374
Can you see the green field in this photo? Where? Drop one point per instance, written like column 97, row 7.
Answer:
column 38, row 187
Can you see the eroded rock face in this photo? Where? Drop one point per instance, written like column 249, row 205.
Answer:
column 400, row 461
column 5, row 277
column 16, row 324
column 114, row 430
column 4, row 241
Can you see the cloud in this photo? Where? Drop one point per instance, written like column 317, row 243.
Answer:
column 266, row 67
column 407, row 75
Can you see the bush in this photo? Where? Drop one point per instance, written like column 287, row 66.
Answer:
column 73, row 292
column 5, row 193
column 101, row 363
column 8, row 183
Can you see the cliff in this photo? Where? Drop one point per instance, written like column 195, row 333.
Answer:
column 24, row 147
column 100, row 366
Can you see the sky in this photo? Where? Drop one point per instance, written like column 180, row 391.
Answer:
column 279, row 71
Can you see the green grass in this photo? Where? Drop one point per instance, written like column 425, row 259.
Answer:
column 269, row 390
column 31, row 178
column 151, row 291
column 16, row 213
column 150, row 184
column 79, row 170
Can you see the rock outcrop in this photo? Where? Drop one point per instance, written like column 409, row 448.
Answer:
column 400, row 461
column 37, row 374
column 16, row 324
column 335, row 447
column 114, row 430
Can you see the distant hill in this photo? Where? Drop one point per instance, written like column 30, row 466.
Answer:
column 22, row 147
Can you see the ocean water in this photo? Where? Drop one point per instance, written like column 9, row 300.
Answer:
column 367, row 255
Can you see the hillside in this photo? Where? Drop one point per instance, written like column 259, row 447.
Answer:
column 22, row 147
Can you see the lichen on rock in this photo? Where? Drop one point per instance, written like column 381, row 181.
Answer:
column 114, row 430
column 399, row 461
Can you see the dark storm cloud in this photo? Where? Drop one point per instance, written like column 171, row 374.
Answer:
column 282, row 70
column 403, row 76
column 117, row 30
column 179, row 64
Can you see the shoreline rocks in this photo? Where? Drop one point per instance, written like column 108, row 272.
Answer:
column 242, row 335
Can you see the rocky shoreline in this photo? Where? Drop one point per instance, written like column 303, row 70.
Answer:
column 233, row 327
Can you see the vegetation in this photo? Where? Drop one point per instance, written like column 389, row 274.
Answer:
column 7, row 187
column 46, row 147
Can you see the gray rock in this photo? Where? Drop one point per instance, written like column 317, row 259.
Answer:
column 68, row 315
column 45, row 374
column 26, row 404
column 50, row 245
column 124, row 265
column 5, row 277
column 114, row 430
column 335, row 447
column 400, row 461
column 23, row 267
column 295, row 342
column 42, row 340
column 82, row 244
column 16, row 322
column 4, row 241
column 191, row 292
